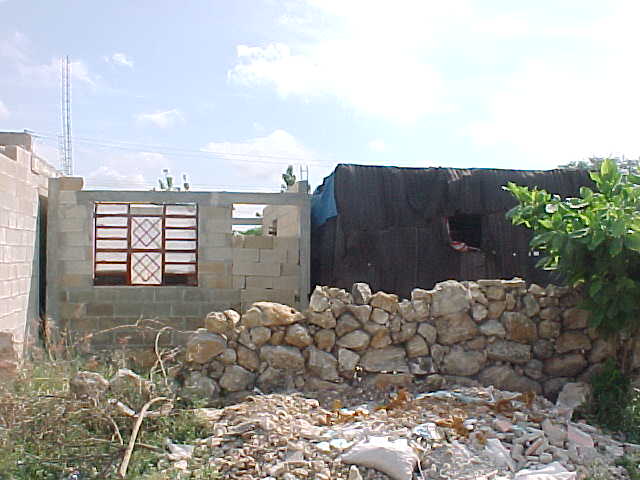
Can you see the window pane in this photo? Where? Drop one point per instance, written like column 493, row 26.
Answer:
column 111, row 221
column 180, row 257
column 169, row 268
column 177, row 245
column 146, row 268
column 120, row 244
column 188, row 209
column 111, row 232
column 111, row 256
column 111, row 208
column 171, row 233
column 180, row 222
column 145, row 209
column 106, row 267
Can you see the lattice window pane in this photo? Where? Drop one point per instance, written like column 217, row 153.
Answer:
column 146, row 233
column 146, row 268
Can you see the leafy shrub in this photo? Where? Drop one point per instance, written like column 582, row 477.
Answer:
column 593, row 240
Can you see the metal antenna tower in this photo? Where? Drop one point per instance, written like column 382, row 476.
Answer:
column 64, row 140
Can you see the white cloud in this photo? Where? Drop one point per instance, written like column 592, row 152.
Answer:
column 130, row 171
column 15, row 50
column 120, row 59
column 263, row 159
column 375, row 57
column 377, row 145
column 4, row 111
column 551, row 111
column 109, row 178
column 161, row 119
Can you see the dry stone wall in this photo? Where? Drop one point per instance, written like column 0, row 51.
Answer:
column 504, row 333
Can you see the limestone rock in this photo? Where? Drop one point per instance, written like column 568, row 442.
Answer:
column 420, row 294
column 386, row 301
column 346, row 323
column 428, row 332
column 495, row 309
column 519, row 328
column 381, row 339
column 126, row 382
column 356, row 340
column 479, row 312
column 422, row 309
column 533, row 369
column 438, row 352
column 575, row 318
column 380, row 316
column 361, row 312
column 322, row 364
column 531, row 306
column 493, row 328
column 553, row 386
column 268, row 314
column 338, row 307
column 407, row 331
column 277, row 337
column 202, row 346
column 505, row 378
column 455, row 328
column 197, row 386
column 372, row 328
column 298, row 336
column 407, row 312
column 557, row 434
column 449, row 297
column 543, row 349
column 323, row 320
column 247, row 358
column 260, row 336
column 573, row 395
column 325, row 339
column 236, row 378
column 273, row 380
column 570, row 341
column 459, row 362
column 417, row 347
column 479, row 343
column 88, row 385
column 319, row 301
column 549, row 329
column 509, row 351
column 549, row 313
column 221, row 322
column 283, row 358
column 568, row 365
column 347, row 360
column 389, row 359
column 361, row 293
column 228, row 356
column 495, row 292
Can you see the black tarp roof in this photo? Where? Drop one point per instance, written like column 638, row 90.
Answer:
column 390, row 230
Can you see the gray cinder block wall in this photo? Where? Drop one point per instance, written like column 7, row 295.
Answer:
column 23, row 192
column 233, row 270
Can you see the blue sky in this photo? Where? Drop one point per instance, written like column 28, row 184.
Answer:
column 233, row 91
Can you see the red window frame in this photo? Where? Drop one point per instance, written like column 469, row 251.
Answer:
column 125, row 276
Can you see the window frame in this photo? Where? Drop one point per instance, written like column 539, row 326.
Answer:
column 101, row 278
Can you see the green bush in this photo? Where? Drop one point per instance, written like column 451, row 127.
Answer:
column 592, row 240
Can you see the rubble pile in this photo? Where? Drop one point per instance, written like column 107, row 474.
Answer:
column 463, row 433
column 504, row 333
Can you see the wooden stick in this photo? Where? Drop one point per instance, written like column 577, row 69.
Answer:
column 122, row 471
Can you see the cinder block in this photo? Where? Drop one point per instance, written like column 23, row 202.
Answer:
column 259, row 282
column 67, row 197
column 169, row 294
column 77, row 267
column 191, row 309
column 217, row 253
column 258, row 241
column 239, row 281
column 76, row 239
column 71, row 280
column 127, row 309
column 74, row 225
column 257, row 269
column 216, row 225
column 83, row 325
column 287, row 283
column 214, row 280
column 207, row 212
column 75, row 253
column 74, row 211
column 213, row 267
column 100, row 309
column 135, row 294
column 246, row 255
column 73, row 310
column 273, row 256
column 290, row 269
column 195, row 295
column 208, row 239
column 81, row 295
column 71, row 183
column 249, row 296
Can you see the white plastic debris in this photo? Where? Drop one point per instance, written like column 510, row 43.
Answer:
column 553, row 471
column 397, row 459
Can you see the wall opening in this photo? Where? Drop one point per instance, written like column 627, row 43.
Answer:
column 465, row 232
column 41, row 245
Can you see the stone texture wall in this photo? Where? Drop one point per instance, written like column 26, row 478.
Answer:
column 494, row 332
column 23, row 191
column 233, row 271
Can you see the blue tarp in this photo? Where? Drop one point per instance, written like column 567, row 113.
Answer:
column 323, row 202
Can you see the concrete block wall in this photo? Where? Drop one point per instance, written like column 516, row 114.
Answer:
column 233, row 271
column 23, row 191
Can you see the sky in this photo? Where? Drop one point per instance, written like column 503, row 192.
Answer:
column 231, row 92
